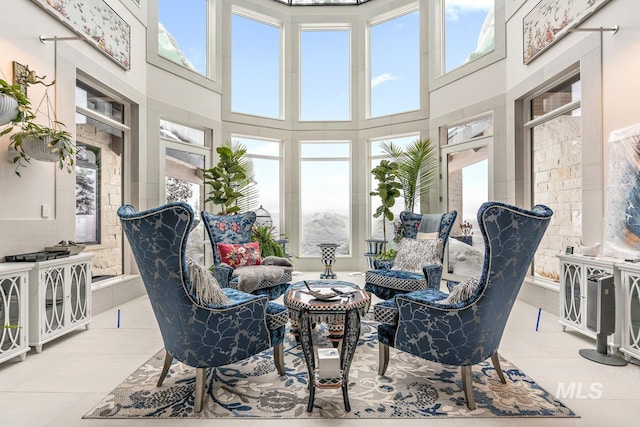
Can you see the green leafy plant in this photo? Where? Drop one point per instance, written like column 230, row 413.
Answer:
column 15, row 92
column 269, row 246
column 56, row 139
column 232, row 182
column 388, row 254
column 388, row 190
column 417, row 168
column 225, row 178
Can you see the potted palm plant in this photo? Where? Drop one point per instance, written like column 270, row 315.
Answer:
column 417, row 167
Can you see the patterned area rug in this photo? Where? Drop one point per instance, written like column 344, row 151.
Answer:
column 411, row 388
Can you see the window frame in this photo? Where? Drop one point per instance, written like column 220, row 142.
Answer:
column 370, row 158
column 487, row 141
column 437, row 76
column 126, row 154
column 214, row 45
column 528, row 132
column 326, row 27
column 349, row 161
column 95, row 167
column 266, row 20
column 281, row 170
column 380, row 19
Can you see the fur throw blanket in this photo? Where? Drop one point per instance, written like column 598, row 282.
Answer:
column 250, row 276
column 276, row 260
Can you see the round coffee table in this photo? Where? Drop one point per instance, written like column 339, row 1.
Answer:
column 343, row 313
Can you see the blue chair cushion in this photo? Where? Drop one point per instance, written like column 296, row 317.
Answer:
column 396, row 279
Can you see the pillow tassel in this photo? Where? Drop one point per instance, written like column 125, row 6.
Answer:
column 204, row 285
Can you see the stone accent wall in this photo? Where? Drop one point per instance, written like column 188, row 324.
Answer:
column 557, row 183
column 108, row 258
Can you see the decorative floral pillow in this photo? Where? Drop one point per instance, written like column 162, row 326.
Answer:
column 413, row 254
column 240, row 254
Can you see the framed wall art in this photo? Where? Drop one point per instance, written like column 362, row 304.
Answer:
column 98, row 23
column 550, row 20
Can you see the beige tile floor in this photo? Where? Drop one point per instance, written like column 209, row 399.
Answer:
column 59, row 385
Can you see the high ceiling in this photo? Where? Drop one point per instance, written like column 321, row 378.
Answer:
column 321, row 2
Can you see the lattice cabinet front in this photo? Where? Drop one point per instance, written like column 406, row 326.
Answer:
column 60, row 298
column 14, row 282
column 631, row 309
column 574, row 273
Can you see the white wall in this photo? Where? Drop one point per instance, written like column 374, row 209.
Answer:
column 22, row 229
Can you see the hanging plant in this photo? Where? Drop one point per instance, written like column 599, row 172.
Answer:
column 34, row 141
column 45, row 144
column 13, row 103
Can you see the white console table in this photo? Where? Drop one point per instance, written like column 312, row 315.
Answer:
column 14, row 281
column 59, row 297
column 574, row 271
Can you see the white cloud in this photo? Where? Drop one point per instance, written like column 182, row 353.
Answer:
column 453, row 8
column 382, row 78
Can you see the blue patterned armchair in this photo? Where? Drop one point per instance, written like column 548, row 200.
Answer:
column 198, row 334
column 385, row 283
column 469, row 331
column 237, row 229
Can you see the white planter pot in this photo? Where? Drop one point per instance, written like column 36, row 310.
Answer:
column 38, row 149
column 8, row 109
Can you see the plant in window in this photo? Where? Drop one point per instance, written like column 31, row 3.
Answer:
column 417, row 167
column 269, row 246
column 386, row 173
column 231, row 180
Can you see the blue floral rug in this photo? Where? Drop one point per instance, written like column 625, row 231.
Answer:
column 411, row 388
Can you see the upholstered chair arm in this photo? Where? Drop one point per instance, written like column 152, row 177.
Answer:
column 433, row 275
column 383, row 264
column 223, row 274
column 428, row 299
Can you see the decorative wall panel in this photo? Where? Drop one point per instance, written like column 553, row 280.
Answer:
column 98, row 22
column 550, row 20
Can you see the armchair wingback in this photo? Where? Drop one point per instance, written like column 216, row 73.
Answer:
column 237, row 229
column 468, row 332
column 386, row 283
column 201, row 335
